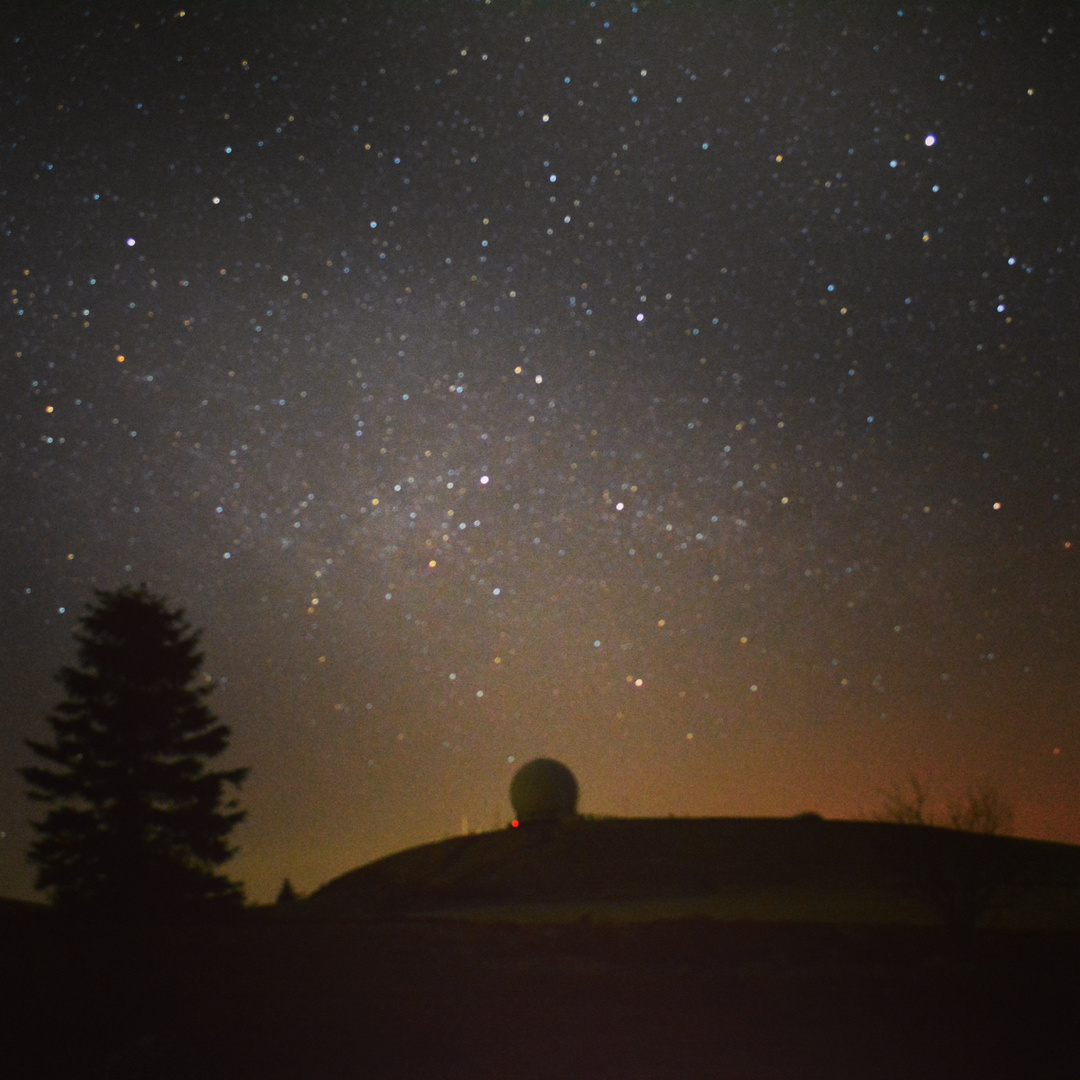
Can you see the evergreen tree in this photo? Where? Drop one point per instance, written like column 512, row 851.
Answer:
column 287, row 894
column 137, row 824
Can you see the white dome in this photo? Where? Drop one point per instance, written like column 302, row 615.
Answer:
column 543, row 789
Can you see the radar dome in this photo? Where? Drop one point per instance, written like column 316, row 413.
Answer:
column 544, row 790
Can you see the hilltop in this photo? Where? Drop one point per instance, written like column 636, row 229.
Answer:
column 803, row 868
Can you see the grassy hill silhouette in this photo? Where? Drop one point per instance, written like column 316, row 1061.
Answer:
column 429, row 962
column 781, row 868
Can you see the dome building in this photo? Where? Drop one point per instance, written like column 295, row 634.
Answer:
column 543, row 790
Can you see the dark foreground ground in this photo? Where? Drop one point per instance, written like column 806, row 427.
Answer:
column 268, row 997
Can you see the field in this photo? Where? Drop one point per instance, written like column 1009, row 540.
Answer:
column 556, row 984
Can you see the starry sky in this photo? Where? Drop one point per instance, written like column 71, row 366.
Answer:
column 687, row 391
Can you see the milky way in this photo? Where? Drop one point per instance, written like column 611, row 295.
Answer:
column 687, row 392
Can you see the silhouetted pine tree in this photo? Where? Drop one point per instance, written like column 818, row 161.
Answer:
column 287, row 894
column 137, row 824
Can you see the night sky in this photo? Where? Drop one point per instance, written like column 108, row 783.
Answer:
column 689, row 392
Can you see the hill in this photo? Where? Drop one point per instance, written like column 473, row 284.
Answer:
column 780, row 868
column 492, row 971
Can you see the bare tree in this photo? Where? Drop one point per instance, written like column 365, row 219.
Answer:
column 961, row 878
column 983, row 810
column 906, row 804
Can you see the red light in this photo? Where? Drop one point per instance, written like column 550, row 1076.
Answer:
column 514, row 823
